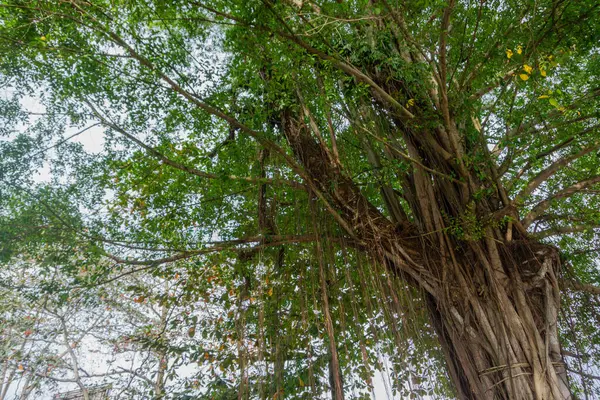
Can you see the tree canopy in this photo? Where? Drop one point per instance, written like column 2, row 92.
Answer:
column 317, row 190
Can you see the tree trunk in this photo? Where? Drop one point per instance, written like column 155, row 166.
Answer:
column 493, row 295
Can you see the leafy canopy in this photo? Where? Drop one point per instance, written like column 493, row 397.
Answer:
column 191, row 170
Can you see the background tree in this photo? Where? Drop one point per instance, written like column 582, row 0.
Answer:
column 135, row 334
column 430, row 167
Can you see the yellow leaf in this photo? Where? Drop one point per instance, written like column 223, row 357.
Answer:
column 301, row 382
column 509, row 53
column 543, row 72
column 544, row 96
column 270, row 292
column 519, row 49
column 527, row 68
column 410, row 103
column 524, row 76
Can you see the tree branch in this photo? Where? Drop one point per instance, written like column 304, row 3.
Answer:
column 265, row 241
column 552, row 169
column 582, row 287
column 563, row 230
column 590, row 376
column 191, row 170
column 569, row 191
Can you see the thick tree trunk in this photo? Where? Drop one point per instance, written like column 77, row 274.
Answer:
column 493, row 299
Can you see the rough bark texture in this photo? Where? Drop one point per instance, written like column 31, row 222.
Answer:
column 492, row 293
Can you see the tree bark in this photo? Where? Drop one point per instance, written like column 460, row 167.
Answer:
column 502, row 341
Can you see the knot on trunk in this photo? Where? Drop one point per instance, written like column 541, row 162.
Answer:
column 535, row 263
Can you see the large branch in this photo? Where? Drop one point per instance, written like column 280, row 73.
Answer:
column 539, row 156
column 443, row 47
column 550, row 151
column 530, row 126
column 377, row 233
column 542, row 206
column 586, row 375
column 420, row 54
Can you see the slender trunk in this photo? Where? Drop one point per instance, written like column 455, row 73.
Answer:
column 28, row 386
column 361, row 342
column 159, row 384
column 74, row 360
column 279, row 331
column 5, row 383
column 261, row 362
column 7, row 378
column 309, row 350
